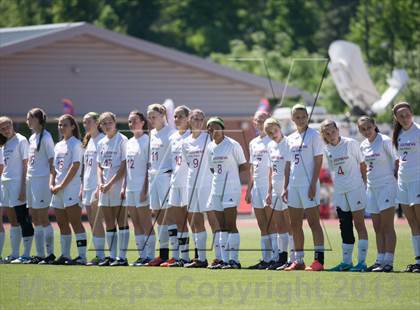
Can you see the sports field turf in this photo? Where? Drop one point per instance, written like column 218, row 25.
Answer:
column 74, row 287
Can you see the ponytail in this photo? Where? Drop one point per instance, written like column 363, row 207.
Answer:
column 87, row 136
column 41, row 116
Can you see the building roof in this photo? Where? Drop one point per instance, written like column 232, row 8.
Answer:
column 19, row 39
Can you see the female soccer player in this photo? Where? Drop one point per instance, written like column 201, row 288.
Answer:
column 257, row 192
column 226, row 159
column 89, row 192
column 65, row 181
column 406, row 139
column 38, row 194
column 301, row 187
column 111, row 172
column 136, row 187
column 382, row 165
column 176, row 214
column 160, row 175
column 13, row 185
column 195, row 149
column 348, row 169
column 278, row 214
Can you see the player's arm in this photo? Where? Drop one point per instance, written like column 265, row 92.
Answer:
column 52, row 178
column 284, row 196
column 270, row 187
column 363, row 171
column 250, row 184
column 315, row 176
column 120, row 174
column 70, row 174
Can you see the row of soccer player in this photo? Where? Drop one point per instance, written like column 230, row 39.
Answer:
column 188, row 172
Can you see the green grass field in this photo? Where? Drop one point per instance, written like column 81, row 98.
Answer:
column 61, row 287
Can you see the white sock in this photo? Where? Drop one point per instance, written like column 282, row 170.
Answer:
column 27, row 245
column 2, row 234
column 163, row 236
column 416, row 246
column 380, row 258
column 299, row 256
column 283, row 242
column 389, row 258
column 81, row 244
column 347, row 253
column 15, row 239
column 140, row 244
column 292, row 248
column 184, row 245
column 39, row 240
column 217, row 248
column 65, row 245
column 233, row 243
column 49, row 239
column 201, row 241
column 124, row 238
column 173, row 240
column 274, row 247
column 99, row 244
column 112, row 241
column 151, row 246
column 362, row 247
column 223, row 246
column 266, row 248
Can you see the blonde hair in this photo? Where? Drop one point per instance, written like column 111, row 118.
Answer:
column 299, row 107
column 327, row 123
column 197, row 111
column 157, row 107
column 104, row 115
column 271, row 121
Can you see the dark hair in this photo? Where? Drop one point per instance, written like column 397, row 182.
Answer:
column 40, row 115
column 368, row 119
column 95, row 117
column 76, row 131
column 397, row 125
column 142, row 118
column 4, row 119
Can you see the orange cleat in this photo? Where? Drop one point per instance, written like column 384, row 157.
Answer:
column 295, row 266
column 315, row 266
column 155, row 262
column 168, row 262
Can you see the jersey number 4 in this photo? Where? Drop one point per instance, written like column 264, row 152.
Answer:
column 340, row 171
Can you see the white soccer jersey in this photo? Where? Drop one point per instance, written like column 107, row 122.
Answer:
column 344, row 162
column 67, row 152
column 409, row 154
column 380, row 159
column 197, row 162
column 160, row 150
column 137, row 157
column 111, row 153
column 259, row 159
column 301, row 156
column 277, row 159
column 15, row 151
column 179, row 165
column 90, row 172
column 224, row 158
column 38, row 161
column 1, row 156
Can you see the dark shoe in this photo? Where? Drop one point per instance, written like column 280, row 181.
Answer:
column 77, row 261
column 216, row 264
column 61, row 261
column 36, row 260
column 284, row 266
column 178, row 263
column 261, row 265
column 119, row 262
column 106, row 262
column 232, row 265
column 275, row 265
column 94, row 262
column 197, row 264
column 47, row 260
column 375, row 265
column 384, row 268
column 412, row 268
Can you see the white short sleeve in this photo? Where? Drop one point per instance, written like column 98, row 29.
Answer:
column 123, row 149
column 49, row 147
column 238, row 154
column 24, row 146
column 390, row 150
column 77, row 153
column 318, row 144
column 356, row 151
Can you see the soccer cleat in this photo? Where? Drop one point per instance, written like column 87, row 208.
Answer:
column 360, row 267
column 21, row 260
column 9, row 259
column 168, row 262
column 295, row 266
column 375, row 265
column 137, row 261
column 77, row 261
column 47, row 260
column 179, row 263
column 36, row 260
column 155, row 262
column 119, row 262
column 341, row 267
column 384, row 268
column 197, row 264
column 274, row 265
column 416, row 268
column 412, row 268
column 232, row 265
column 288, row 264
column 261, row 265
column 106, row 262
column 61, row 261
column 215, row 264
column 94, row 262
column 142, row 262
column 315, row 266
